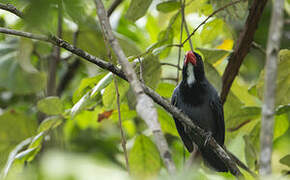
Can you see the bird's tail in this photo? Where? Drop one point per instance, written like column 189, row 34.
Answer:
column 213, row 161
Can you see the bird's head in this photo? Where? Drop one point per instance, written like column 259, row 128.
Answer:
column 193, row 70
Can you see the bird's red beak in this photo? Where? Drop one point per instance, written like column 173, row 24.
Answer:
column 190, row 57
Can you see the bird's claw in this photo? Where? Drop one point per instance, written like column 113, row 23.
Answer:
column 207, row 138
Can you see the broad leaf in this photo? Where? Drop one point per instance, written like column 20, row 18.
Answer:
column 286, row 160
column 144, row 158
column 137, row 9
column 109, row 96
column 168, row 6
column 282, row 82
column 50, row 105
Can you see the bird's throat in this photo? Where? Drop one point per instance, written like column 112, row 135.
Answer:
column 190, row 75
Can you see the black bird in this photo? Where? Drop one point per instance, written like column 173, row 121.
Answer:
column 199, row 100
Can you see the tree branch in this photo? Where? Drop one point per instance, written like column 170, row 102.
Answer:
column 268, row 109
column 12, row 9
column 113, row 6
column 242, row 47
column 145, row 107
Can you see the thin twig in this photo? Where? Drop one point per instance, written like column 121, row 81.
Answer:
column 114, row 5
column 180, row 40
column 121, row 126
column 186, row 27
column 12, row 9
column 259, row 47
column 169, row 78
column 169, row 64
column 211, row 15
column 141, row 70
column 238, row 126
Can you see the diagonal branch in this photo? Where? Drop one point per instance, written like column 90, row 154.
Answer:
column 113, row 6
column 242, row 47
column 12, row 9
column 145, row 106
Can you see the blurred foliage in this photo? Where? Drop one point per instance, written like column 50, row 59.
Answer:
column 76, row 135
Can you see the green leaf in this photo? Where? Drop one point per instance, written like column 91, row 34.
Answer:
column 12, row 156
column 50, row 105
column 15, row 126
column 281, row 125
column 144, row 158
column 75, row 9
column 168, row 6
column 109, row 96
column 285, row 160
column 24, row 55
column 103, row 83
column 282, row 82
column 81, row 104
column 243, row 115
column 282, row 109
column 151, row 70
column 137, row 9
column 49, row 123
column 213, row 76
column 213, row 55
column 86, row 85
column 165, row 89
column 166, row 122
column 211, row 30
column 13, row 77
column 250, row 153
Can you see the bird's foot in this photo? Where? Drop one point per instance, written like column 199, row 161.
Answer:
column 208, row 135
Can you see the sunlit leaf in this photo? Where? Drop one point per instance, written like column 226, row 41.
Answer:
column 250, row 153
column 137, row 9
column 165, row 89
column 104, row 82
column 144, row 158
column 13, row 77
column 15, row 126
column 281, row 125
column 12, row 156
column 168, row 6
column 24, row 55
column 282, row 82
column 282, row 109
column 166, row 122
column 49, row 123
column 86, row 85
column 50, row 105
column 109, row 96
column 286, row 160
column 213, row 76
column 211, row 30
column 213, row 55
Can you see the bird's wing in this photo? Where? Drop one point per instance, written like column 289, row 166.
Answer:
column 185, row 138
column 217, row 109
